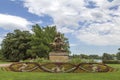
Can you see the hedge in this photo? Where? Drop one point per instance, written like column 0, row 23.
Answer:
column 111, row 61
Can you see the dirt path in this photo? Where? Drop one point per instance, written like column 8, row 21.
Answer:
column 5, row 64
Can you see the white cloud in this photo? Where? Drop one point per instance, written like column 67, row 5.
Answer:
column 65, row 30
column 72, row 45
column 104, row 4
column 11, row 22
column 105, row 34
column 63, row 12
column 100, row 25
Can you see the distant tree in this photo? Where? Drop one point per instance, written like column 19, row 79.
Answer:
column 83, row 56
column 118, row 54
column 94, row 57
column 107, row 56
column 0, row 54
column 75, row 56
column 14, row 46
column 118, row 48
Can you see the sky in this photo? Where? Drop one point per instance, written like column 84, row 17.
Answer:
column 92, row 26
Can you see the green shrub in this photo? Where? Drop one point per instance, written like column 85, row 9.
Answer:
column 78, row 60
column 75, row 60
column 111, row 61
column 39, row 60
column 87, row 61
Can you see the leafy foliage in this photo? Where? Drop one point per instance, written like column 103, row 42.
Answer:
column 21, row 45
column 118, row 54
column 15, row 45
column 41, row 39
column 111, row 62
column 107, row 56
column 94, row 57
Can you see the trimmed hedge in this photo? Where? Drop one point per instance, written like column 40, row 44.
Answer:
column 111, row 62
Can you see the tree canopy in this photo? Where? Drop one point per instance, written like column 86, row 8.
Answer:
column 118, row 54
column 21, row 45
column 107, row 56
column 14, row 46
column 41, row 39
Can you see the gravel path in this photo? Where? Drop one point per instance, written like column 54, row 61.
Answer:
column 5, row 64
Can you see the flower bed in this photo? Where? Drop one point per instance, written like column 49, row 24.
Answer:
column 58, row 67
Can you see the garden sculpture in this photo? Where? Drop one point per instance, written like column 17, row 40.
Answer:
column 58, row 43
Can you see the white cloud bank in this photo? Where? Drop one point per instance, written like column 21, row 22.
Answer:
column 10, row 22
column 104, row 34
column 95, row 22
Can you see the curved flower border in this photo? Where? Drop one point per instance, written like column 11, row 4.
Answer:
column 57, row 68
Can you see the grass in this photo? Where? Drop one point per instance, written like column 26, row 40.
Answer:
column 3, row 62
column 61, row 76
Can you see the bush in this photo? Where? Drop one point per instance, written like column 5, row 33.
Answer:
column 88, row 61
column 111, row 61
column 78, row 60
column 75, row 60
column 39, row 60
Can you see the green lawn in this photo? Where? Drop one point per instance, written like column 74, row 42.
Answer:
column 2, row 62
column 61, row 76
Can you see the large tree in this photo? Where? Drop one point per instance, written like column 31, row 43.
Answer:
column 15, row 45
column 118, row 54
column 0, row 54
column 21, row 45
column 41, row 39
column 107, row 56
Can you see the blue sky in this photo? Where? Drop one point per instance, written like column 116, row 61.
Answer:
column 92, row 26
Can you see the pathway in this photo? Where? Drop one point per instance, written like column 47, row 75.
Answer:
column 5, row 64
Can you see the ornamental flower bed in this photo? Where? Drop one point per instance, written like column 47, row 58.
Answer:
column 58, row 67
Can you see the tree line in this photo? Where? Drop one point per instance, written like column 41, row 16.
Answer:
column 21, row 45
column 85, row 56
column 104, row 57
column 107, row 56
